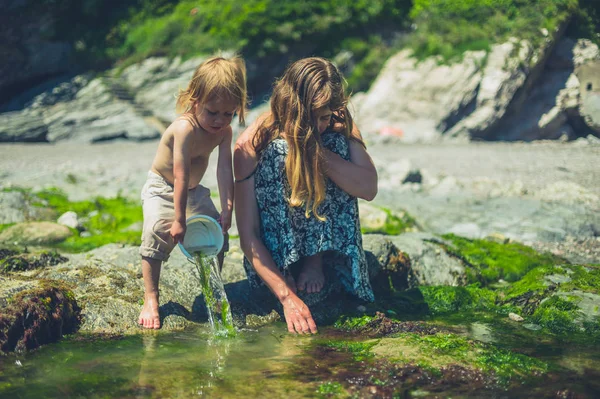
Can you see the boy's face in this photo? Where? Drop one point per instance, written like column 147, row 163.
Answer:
column 216, row 113
column 323, row 118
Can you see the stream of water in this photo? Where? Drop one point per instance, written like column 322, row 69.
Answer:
column 215, row 297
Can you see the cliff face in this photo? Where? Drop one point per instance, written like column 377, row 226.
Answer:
column 515, row 92
column 29, row 55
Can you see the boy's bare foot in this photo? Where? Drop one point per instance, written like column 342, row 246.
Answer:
column 311, row 277
column 149, row 317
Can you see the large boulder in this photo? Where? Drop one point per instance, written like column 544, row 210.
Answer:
column 426, row 100
column 564, row 103
column 35, row 233
column 418, row 98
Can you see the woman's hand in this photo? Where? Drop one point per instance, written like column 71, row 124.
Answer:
column 297, row 316
column 178, row 231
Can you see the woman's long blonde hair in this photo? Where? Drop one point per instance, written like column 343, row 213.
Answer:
column 307, row 85
column 216, row 76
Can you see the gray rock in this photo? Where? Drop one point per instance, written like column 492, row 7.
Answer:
column 12, row 207
column 69, row 219
column 521, row 219
column 430, row 264
column 24, row 126
column 35, row 233
column 81, row 110
column 502, row 77
column 16, row 207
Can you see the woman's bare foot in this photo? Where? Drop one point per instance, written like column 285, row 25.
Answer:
column 149, row 317
column 311, row 277
column 289, row 280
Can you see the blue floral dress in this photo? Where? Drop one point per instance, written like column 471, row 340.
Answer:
column 289, row 235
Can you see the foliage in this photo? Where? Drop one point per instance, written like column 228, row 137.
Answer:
column 448, row 28
column 586, row 21
column 264, row 31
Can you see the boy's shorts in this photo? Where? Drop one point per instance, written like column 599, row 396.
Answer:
column 159, row 213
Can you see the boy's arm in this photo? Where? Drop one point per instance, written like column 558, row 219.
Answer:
column 182, row 137
column 225, row 180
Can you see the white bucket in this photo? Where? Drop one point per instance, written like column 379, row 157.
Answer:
column 203, row 233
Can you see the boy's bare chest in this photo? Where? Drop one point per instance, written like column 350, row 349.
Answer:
column 204, row 144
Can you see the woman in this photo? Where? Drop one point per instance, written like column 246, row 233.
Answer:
column 299, row 170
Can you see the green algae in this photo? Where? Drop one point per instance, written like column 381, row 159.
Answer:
column 331, row 389
column 359, row 350
column 107, row 219
column 395, row 223
column 347, row 323
column 584, row 277
column 576, row 277
column 491, row 261
column 550, row 295
column 447, row 299
column 443, row 349
column 558, row 314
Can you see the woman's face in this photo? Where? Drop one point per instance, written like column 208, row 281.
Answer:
column 323, row 118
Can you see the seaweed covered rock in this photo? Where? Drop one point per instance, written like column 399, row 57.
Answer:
column 562, row 298
column 380, row 325
column 489, row 261
column 38, row 316
column 16, row 261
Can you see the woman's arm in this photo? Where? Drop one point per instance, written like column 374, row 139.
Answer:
column 297, row 314
column 357, row 177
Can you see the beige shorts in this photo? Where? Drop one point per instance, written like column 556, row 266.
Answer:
column 159, row 213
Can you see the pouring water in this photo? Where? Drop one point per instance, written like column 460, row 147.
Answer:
column 215, row 297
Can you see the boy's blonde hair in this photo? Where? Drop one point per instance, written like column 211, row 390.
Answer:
column 307, row 85
column 215, row 77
